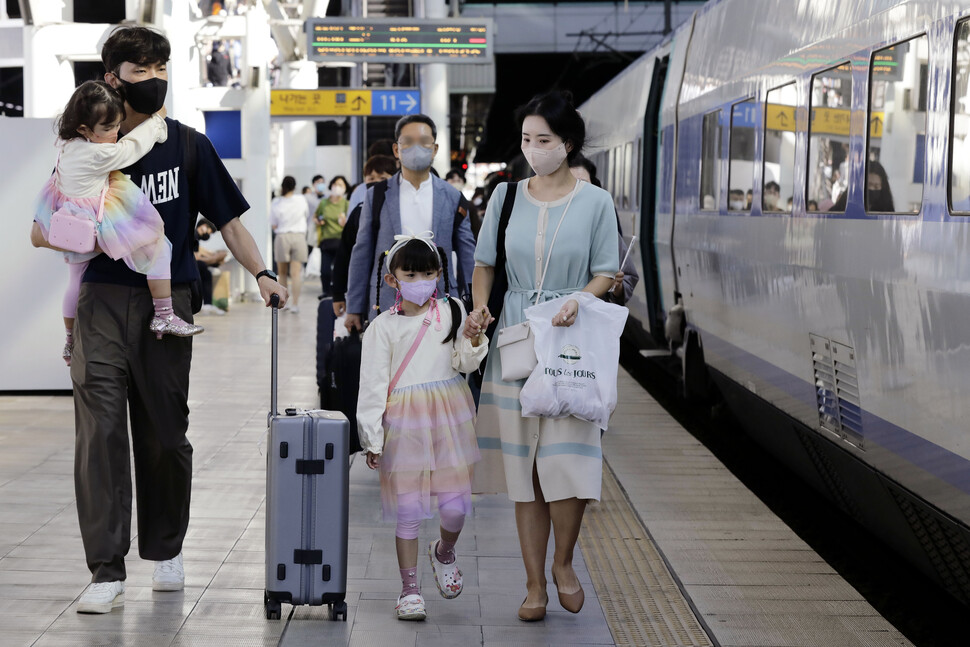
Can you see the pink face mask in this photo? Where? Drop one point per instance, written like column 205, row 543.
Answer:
column 544, row 161
column 417, row 292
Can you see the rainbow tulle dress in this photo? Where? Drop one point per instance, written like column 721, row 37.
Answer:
column 131, row 228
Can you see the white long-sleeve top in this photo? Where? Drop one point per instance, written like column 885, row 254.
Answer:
column 84, row 166
column 386, row 342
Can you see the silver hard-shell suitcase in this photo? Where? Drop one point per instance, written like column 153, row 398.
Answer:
column 307, row 488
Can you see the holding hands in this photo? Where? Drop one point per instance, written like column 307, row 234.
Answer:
column 477, row 321
column 373, row 460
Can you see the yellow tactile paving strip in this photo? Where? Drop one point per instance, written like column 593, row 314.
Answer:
column 644, row 607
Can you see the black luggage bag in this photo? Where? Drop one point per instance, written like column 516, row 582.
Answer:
column 338, row 370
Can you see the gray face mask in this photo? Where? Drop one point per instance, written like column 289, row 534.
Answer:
column 416, row 157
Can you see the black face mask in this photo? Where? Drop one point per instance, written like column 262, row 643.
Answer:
column 200, row 236
column 146, row 97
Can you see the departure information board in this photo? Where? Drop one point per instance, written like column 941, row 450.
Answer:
column 400, row 40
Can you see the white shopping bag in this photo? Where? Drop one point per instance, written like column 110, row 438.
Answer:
column 312, row 263
column 576, row 373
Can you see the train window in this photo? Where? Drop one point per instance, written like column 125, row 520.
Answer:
column 779, row 170
column 897, row 127
column 828, row 141
column 637, row 171
column 618, row 179
column 604, row 169
column 611, row 175
column 741, row 169
column 960, row 109
column 710, row 161
column 627, row 173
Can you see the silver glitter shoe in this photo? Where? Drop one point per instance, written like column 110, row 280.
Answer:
column 173, row 325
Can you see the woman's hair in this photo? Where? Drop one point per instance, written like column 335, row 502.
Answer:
column 584, row 162
column 881, row 200
column 556, row 107
column 93, row 103
column 341, row 178
column 417, row 256
column 289, row 184
column 385, row 164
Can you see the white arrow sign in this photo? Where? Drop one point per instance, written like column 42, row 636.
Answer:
column 410, row 103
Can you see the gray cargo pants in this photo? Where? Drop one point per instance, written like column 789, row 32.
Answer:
column 119, row 366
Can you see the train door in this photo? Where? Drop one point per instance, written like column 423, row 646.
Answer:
column 648, row 201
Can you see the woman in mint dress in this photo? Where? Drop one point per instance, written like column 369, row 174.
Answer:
column 549, row 467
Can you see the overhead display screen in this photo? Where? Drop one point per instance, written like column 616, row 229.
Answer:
column 400, row 40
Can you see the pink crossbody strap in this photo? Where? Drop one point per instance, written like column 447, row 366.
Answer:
column 407, row 358
column 104, row 193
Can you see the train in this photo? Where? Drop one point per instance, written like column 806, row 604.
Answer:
column 798, row 175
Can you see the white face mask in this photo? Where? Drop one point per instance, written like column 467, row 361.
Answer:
column 338, row 190
column 545, row 160
column 737, row 205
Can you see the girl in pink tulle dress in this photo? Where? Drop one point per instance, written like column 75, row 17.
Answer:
column 130, row 228
column 416, row 416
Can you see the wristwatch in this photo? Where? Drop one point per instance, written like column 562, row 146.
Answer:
column 270, row 273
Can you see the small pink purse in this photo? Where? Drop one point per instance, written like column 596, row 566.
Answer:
column 75, row 232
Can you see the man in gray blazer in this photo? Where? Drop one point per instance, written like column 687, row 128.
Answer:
column 415, row 201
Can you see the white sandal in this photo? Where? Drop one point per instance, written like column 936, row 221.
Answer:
column 411, row 607
column 447, row 577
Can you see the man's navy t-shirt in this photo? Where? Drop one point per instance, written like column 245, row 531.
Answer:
column 160, row 176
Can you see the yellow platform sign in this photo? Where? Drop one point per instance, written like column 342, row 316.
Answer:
column 315, row 103
column 828, row 121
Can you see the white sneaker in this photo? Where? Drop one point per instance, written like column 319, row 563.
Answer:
column 102, row 597
column 169, row 575
column 294, row 310
column 209, row 309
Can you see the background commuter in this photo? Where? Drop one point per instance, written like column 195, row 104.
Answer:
column 559, row 467
column 218, row 66
column 208, row 264
column 383, row 147
column 330, row 218
column 627, row 278
column 377, row 168
column 288, row 218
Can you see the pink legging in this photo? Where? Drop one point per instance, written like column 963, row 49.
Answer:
column 74, row 273
column 451, row 509
column 161, row 268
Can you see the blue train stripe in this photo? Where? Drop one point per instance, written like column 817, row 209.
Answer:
column 924, row 454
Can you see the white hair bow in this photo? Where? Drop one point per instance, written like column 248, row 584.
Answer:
column 400, row 240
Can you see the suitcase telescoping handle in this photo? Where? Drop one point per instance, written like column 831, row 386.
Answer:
column 274, row 302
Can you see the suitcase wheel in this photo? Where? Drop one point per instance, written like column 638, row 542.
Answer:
column 338, row 611
column 273, row 608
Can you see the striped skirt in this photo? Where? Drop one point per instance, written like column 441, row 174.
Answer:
column 565, row 452
column 429, row 444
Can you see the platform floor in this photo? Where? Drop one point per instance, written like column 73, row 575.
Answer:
column 752, row 580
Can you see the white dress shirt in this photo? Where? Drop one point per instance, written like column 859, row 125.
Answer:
column 416, row 207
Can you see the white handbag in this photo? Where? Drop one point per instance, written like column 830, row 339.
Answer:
column 516, row 344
